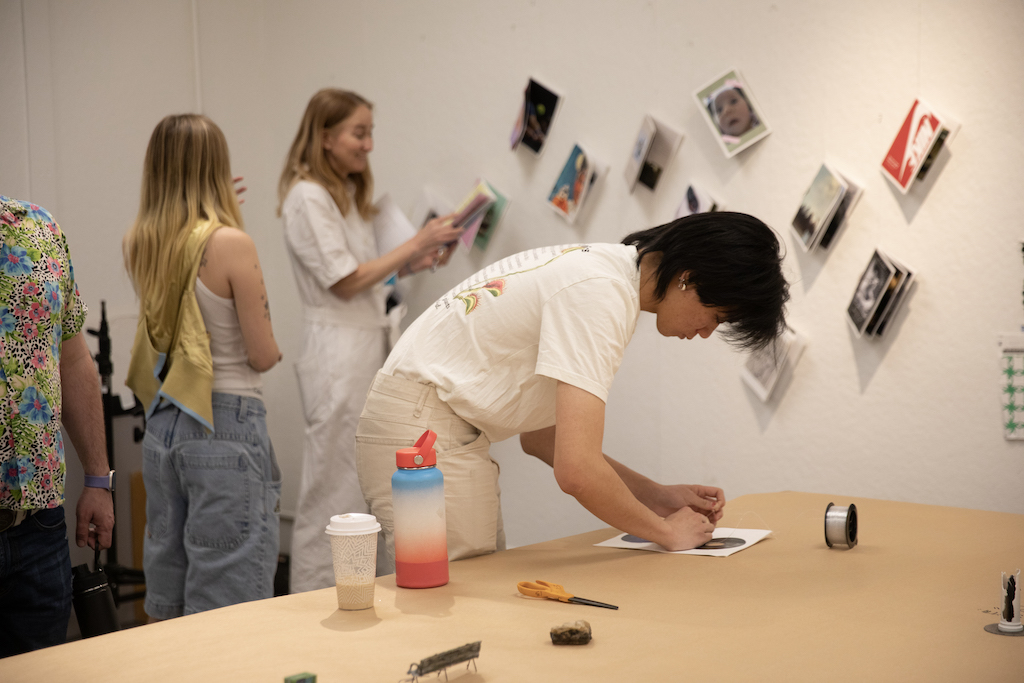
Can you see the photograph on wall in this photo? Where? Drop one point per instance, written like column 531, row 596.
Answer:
column 573, row 184
column 870, row 289
column 729, row 107
column 764, row 367
column 491, row 218
column 535, row 117
column 920, row 139
column 697, row 200
column 824, row 208
column 653, row 149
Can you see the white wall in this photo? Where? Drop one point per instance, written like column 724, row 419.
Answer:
column 912, row 417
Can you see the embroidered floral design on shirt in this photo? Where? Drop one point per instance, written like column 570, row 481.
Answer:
column 473, row 296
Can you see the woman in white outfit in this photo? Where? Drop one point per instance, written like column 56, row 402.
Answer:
column 326, row 192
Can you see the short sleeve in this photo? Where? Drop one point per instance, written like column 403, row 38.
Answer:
column 315, row 232
column 74, row 311
column 585, row 329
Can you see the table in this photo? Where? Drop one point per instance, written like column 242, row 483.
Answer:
column 909, row 603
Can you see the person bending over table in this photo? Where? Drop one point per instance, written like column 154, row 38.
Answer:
column 530, row 346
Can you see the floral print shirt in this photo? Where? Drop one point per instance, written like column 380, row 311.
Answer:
column 40, row 307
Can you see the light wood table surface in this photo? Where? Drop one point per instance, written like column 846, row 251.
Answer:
column 909, row 603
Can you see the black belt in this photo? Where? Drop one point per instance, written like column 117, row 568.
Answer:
column 12, row 518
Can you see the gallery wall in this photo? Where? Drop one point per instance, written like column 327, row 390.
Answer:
column 914, row 416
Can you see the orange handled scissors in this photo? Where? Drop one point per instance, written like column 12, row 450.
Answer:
column 552, row 591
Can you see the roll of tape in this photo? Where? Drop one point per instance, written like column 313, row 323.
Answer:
column 841, row 525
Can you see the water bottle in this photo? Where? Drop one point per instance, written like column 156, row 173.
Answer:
column 94, row 601
column 417, row 495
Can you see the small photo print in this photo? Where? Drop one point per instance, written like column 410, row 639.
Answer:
column 535, row 116
column 696, row 200
column 729, row 107
column 571, row 187
column 873, row 284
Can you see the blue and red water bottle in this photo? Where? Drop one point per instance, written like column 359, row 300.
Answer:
column 417, row 494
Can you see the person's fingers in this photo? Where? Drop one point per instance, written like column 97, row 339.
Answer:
column 81, row 531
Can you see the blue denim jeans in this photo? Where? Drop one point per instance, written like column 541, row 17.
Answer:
column 35, row 583
column 212, row 508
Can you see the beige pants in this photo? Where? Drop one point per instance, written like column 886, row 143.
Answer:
column 396, row 414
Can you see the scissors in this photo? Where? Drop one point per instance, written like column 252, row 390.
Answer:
column 552, row 591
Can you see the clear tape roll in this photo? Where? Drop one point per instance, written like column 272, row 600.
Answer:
column 841, row 525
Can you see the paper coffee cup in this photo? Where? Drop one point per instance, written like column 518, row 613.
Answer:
column 354, row 548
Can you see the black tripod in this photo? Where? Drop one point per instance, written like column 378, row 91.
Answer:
column 117, row 575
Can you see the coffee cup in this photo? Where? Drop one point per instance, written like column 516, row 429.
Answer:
column 354, row 548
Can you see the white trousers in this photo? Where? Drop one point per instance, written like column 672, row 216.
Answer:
column 396, row 414
column 334, row 372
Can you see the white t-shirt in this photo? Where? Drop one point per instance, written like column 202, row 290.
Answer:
column 325, row 247
column 496, row 345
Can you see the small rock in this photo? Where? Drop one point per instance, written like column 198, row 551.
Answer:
column 571, row 633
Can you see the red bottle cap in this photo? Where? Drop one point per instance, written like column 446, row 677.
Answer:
column 420, row 455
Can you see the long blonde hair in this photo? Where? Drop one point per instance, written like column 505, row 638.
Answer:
column 186, row 178
column 307, row 160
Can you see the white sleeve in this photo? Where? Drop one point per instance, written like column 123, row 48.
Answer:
column 584, row 332
column 315, row 232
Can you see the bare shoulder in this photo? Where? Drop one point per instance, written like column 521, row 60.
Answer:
column 230, row 240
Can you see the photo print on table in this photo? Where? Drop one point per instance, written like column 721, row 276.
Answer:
column 535, row 117
column 729, row 107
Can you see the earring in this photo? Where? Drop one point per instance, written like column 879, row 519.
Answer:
column 682, row 283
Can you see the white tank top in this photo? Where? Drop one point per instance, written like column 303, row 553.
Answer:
column 232, row 373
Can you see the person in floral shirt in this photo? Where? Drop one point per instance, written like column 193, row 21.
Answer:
column 47, row 377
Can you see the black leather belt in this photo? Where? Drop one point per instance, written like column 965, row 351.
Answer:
column 12, row 518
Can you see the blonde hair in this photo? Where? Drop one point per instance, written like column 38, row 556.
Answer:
column 307, row 160
column 186, row 178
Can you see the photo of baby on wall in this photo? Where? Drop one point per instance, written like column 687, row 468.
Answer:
column 729, row 108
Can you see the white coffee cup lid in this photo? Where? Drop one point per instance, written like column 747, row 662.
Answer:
column 353, row 524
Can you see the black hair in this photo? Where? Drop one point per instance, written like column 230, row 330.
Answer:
column 734, row 262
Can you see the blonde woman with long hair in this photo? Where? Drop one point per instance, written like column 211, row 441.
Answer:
column 204, row 337
column 326, row 193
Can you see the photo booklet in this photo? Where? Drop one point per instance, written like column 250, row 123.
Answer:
column 697, row 200
column 535, row 117
column 880, row 292
column 922, row 136
column 765, row 367
column 824, row 208
column 653, row 149
column 575, row 183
